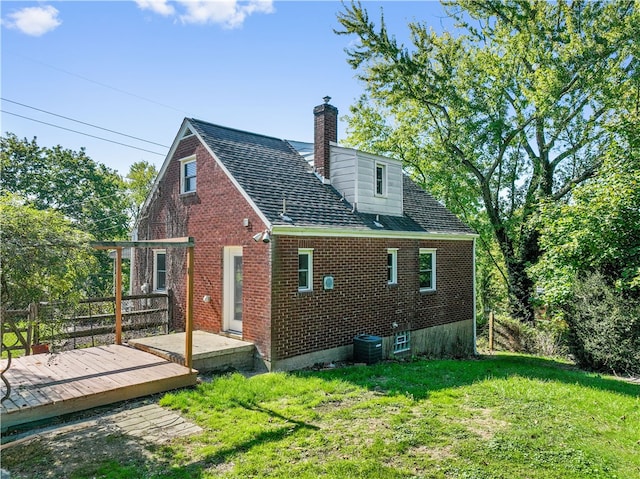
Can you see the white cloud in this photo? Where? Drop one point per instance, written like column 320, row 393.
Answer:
column 161, row 7
column 34, row 21
column 228, row 13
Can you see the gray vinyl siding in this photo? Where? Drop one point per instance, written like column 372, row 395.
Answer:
column 353, row 174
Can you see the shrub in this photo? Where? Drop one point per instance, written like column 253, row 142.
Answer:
column 604, row 327
column 547, row 338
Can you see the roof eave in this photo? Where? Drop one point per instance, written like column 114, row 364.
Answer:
column 327, row 231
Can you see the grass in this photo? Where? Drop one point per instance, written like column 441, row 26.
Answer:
column 502, row 416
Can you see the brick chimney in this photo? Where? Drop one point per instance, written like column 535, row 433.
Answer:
column 325, row 131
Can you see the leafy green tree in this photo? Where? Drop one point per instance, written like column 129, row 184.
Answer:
column 89, row 193
column 42, row 255
column 139, row 182
column 93, row 197
column 599, row 231
column 509, row 111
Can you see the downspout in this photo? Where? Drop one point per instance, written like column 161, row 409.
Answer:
column 475, row 351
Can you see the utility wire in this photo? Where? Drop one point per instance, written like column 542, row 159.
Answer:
column 104, row 85
column 81, row 133
column 82, row 122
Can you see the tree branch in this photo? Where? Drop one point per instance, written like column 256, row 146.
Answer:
column 575, row 181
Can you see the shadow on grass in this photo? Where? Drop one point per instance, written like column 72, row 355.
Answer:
column 422, row 377
column 88, row 452
column 224, row 455
column 92, row 453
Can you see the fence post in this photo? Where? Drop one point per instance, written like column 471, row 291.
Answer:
column 491, row 319
column 33, row 330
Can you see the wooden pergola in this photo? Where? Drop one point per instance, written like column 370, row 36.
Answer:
column 186, row 242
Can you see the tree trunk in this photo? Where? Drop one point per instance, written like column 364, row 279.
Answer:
column 520, row 291
column 520, row 284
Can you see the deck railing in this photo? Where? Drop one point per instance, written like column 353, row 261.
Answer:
column 45, row 327
column 91, row 322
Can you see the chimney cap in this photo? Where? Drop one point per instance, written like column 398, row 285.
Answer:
column 326, row 99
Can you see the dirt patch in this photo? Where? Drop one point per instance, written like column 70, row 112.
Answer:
column 127, row 437
column 482, row 423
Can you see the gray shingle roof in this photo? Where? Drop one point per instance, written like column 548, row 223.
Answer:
column 270, row 170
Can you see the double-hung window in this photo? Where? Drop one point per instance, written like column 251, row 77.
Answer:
column 392, row 266
column 427, row 269
column 381, row 179
column 305, row 269
column 188, row 175
column 159, row 270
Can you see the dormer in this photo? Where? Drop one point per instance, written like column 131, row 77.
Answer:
column 371, row 183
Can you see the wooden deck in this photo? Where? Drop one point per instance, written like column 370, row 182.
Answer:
column 49, row 385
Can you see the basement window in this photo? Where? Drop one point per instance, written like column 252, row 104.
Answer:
column 402, row 342
column 188, row 175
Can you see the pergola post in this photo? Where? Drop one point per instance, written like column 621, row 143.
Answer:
column 118, row 295
column 188, row 347
column 189, row 244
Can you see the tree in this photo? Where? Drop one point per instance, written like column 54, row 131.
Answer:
column 90, row 195
column 140, row 180
column 512, row 109
column 599, row 231
column 42, row 255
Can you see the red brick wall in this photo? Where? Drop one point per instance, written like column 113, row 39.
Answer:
column 298, row 323
column 213, row 215
column 361, row 301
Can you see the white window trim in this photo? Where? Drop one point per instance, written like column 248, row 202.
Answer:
column 433, row 268
column 385, row 170
column 156, row 252
column 394, row 270
column 183, row 162
column 402, row 346
column 309, row 252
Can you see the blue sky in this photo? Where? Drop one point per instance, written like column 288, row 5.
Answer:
column 140, row 67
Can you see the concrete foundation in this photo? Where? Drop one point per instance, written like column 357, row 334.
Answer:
column 454, row 339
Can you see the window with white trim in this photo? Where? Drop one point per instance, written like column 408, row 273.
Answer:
column 401, row 342
column 159, row 270
column 392, row 266
column 427, row 269
column 188, row 175
column 381, row 179
column 305, row 269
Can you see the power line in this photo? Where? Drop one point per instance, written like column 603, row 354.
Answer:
column 82, row 133
column 104, row 85
column 82, row 122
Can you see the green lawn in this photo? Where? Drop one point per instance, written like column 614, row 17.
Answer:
column 502, row 416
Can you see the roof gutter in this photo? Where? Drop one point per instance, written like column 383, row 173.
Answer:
column 325, row 231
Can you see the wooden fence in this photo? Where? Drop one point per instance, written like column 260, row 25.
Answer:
column 91, row 322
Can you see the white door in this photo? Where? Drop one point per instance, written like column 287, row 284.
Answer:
column 233, row 289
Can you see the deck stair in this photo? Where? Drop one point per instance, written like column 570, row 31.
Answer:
column 211, row 352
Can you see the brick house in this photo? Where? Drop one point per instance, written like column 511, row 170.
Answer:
column 300, row 247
